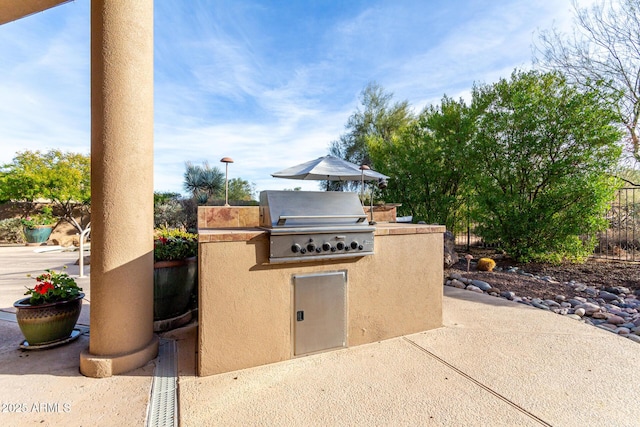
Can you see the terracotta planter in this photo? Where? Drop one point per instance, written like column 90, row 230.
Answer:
column 47, row 323
column 37, row 235
column 173, row 283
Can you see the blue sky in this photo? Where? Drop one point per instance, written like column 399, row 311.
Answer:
column 268, row 83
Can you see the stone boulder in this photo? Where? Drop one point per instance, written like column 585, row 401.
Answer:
column 85, row 261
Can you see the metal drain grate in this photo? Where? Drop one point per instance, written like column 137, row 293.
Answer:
column 163, row 404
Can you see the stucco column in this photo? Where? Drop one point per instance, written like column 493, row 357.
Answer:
column 121, row 321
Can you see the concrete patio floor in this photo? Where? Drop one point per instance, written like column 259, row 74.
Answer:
column 45, row 387
column 493, row 363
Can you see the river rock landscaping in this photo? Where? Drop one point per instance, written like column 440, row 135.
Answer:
column 602, row 294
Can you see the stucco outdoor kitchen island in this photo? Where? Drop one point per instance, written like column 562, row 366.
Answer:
column 249, row 313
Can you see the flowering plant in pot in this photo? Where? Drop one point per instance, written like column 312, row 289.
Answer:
column 175, row 272
column 45, row 217
column 37, row 228
column 174, row 244
column 51, row 310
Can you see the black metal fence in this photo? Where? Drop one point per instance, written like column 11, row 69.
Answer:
column 467, row 238
column 620, row 241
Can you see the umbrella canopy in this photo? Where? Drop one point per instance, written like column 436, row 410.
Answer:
column 329, row 168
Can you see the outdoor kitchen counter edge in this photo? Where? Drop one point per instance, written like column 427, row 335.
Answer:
column 245, row 234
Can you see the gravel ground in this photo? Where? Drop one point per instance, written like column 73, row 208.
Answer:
column 597, row 273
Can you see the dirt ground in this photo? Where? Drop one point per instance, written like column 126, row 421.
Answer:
column 597, row 273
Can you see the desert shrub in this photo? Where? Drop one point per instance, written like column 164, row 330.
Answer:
column 168, row 214
column 11, row 230
column 175, row 212
column 543, row 154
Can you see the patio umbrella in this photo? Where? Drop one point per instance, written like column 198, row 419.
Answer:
column 329, row 168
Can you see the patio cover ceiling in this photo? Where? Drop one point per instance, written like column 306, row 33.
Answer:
column 11, row 10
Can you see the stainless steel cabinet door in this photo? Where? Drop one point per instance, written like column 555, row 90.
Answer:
column 320, row 311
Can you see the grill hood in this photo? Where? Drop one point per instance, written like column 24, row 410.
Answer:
column 310, row 209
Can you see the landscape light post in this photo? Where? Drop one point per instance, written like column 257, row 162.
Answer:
column 226, row 161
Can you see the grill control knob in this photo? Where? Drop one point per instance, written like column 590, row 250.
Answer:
column 311, row 247
column 295, row 248
column 333, row 248
column 326, row 247
column 340, row 246
column 354, row 245
column 303, row 251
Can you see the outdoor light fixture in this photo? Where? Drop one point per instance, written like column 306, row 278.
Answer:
column 226, row 161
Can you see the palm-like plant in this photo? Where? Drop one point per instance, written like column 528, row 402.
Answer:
column 212, row 180
column 203, row 182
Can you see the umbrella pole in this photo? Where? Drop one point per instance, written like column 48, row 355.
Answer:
column 362, row 169
column 362, row 187
column 371, row 207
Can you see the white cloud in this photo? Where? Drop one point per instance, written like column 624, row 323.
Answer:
column 44, row 83
column 269, row 87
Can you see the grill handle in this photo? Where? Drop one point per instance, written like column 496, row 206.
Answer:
column 283, row 218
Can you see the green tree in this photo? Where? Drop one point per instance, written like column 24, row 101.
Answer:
column 542, row 152
column 23, row 178
column 240, row 189
column 428, row 162
column 69, row 184
column 63, row 178
column 377, row 119
column 603, row 50
column 160, row 197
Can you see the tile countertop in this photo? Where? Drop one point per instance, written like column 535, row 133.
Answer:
column 245, row 234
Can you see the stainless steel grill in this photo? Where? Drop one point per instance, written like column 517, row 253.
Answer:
column 315, row 225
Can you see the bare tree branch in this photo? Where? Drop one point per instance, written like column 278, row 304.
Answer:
column 604, row 48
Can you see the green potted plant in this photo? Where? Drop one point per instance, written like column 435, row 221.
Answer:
column 50, row 312
column 175, row 272
column 37, row 228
